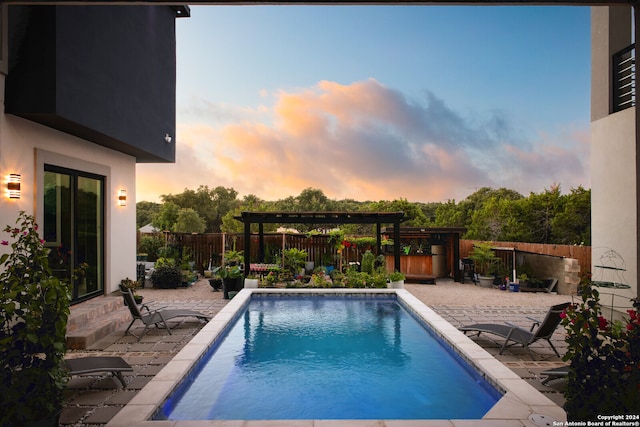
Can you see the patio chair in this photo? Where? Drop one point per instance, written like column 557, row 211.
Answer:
column 555, row 373
column 513, row 334
column 157, row 316
column 91, row 364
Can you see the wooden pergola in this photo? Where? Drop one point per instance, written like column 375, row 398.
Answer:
column 377, row 218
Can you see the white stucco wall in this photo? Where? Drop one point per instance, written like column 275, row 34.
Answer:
column 25, row 145
column 613, row 200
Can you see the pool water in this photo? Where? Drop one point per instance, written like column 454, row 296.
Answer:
column 328, row 357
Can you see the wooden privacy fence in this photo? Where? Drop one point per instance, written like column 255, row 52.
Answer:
column 205, row 248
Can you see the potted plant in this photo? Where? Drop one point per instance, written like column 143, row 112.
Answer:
column 230, row 275
column 484, row 259
column 233, row 257
column 215, row 282
column 33, row 322
column 294, row 260
column 396, row 280
column 251, row 281
column 133, row 285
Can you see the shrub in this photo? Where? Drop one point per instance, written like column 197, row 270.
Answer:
column 34, row 308
column 151, row 246
column 604, row 375
column 166, row 277
column 368, row 259
column 378, row 280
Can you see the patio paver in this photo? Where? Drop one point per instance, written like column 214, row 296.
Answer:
column 94, row 400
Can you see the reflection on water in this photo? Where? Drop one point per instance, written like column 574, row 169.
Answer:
column 330, row 358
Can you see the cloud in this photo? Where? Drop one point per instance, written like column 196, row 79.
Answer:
column 363, row 141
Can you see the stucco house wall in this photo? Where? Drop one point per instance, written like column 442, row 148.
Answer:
column 614, row 174
column 25, row 145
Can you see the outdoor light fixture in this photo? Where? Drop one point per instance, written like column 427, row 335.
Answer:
column 122, row 198
column 167, row 138
column 13, row 186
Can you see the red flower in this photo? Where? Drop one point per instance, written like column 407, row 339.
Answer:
column 563, row 315
column 5, row 243
column 602, row 323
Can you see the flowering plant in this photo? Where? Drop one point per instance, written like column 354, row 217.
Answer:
column 34, row 308
column 604, row 375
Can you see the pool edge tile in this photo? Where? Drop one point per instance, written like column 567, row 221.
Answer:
column 516, row 391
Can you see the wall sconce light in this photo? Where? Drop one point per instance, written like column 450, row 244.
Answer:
column 122, row 198
column 167, row 138
column 13, row 186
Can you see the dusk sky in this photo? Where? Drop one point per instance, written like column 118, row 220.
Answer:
column 425, row 103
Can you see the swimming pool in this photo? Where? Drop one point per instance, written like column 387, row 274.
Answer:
column 330, row 357
column 520, row 404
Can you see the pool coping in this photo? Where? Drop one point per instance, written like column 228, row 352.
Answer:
column 521, row 404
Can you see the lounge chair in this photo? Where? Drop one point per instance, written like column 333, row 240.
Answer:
column 92, row 364
column 555, row 373
column 516, row 335
column 158, row 316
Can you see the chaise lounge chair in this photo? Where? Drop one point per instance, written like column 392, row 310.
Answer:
column 515, row 335
column 155, row 317
column 92, row 364
column 555, row 373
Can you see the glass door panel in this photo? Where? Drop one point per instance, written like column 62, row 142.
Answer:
column 89, row 234
column 73, row 228
column 57, row 223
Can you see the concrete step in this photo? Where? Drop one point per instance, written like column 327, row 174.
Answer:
column 93, row 320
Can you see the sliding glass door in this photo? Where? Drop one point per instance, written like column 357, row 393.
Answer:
column 73, row 228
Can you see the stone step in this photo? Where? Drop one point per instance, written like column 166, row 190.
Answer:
column 93, row 320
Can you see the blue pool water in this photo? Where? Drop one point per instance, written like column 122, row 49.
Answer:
column 292, row 357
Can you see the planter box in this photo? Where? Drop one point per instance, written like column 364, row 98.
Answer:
column 399, row 284
column 251, row 283
column 485, row 281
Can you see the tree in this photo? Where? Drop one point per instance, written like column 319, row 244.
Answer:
column 167, row 217
column 413, row 215
column 309, row 200
column 450, row 215
column 572, row 224
column 188, row 222
column 489, row 221
column 210, row 204
column 537, row 212
column 145, row 211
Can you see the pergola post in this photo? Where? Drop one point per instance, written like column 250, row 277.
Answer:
column 396, row 245
column 247, row 248
column 261, row 242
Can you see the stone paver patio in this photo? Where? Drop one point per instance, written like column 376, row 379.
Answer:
column 93, row 400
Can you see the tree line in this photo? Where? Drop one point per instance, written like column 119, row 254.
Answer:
column 488, row 214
